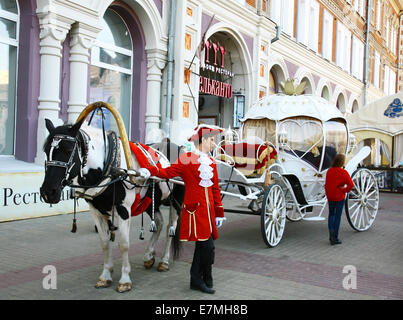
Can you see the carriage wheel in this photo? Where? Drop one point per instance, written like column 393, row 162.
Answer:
column 293, row 214
column 363, row 200
column 273, row 215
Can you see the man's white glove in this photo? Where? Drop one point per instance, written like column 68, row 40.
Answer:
column 219, row 221
column 144, row 173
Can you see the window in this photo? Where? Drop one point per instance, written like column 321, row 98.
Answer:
column 360, row 7
column 377, row 66
column 8, row 71
column 378, row 15
column 304, row 138
column 336, row 141
column 303, row 21
column 387, row 33
column 111, row 69
column 327, row 35
column 393, row 40
column 386, row 80
column 313, row 25
column 357, row 58
column 272, row 83
column 356, row 5
column 282, row 12
column 239, row 109
column 389, row 84
column 343, row 47
column 325, row 93
column 392, row 82
column 308, row 23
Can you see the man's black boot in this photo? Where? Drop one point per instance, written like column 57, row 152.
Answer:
column 202, row 287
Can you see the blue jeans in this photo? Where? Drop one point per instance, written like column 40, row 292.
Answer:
column 335, row 212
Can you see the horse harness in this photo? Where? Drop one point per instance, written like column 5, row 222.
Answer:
column 108, row 177
column 112, row 160
column 68, row 166
column 81, row 142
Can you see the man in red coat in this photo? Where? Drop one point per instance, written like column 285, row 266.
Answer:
column 202, row 211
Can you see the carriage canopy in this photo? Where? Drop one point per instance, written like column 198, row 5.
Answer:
column 311, row 125
column 280, row 106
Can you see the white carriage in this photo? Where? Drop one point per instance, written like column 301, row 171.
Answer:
column 280, row 159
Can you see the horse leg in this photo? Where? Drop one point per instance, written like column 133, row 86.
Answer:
column 125, row 283
column 149, row 255
column 173, row 219
column 105, row 279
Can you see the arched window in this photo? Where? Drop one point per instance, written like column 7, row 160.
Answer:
column 8, row 72
column 325, row 93
column 340, row 103
column 354, row 107
column 273, row 88
column 111, row 69
column 308, row 86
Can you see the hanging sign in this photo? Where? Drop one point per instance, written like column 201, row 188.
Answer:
column 215, row 88
column 211, row 86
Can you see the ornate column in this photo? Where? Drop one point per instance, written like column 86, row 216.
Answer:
column 54, row 29
column 82, row 37
column 156, row 61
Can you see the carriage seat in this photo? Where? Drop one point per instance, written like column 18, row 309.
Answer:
column 251, row 159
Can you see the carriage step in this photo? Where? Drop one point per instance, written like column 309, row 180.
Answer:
column 314, row 218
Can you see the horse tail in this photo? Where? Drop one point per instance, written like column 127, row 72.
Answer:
column 178, row 194
column 177, row 244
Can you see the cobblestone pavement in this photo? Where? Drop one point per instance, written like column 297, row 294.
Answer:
column 302, row 266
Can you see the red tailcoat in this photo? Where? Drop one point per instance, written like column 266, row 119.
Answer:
column 201, row 205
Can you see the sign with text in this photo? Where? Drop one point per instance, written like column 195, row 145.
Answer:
column 20, row 198
column 211, row 64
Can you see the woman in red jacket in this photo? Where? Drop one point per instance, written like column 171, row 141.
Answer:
column 202, row 210
column 338, row 183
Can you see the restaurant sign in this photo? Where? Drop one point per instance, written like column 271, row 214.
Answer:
column 211, row 86
column 20, row 198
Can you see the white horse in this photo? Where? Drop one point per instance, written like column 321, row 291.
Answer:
column 94, row 163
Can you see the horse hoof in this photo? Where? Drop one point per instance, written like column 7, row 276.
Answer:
column 124, row 287
column 163, row 267
column 103, row 284
column 148, row 264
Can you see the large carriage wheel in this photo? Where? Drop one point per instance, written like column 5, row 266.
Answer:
column 363, row 200
column 273, row 215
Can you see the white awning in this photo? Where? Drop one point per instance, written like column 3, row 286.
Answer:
column 385, row 115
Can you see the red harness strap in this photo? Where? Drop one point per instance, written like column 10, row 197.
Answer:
column 140, row 205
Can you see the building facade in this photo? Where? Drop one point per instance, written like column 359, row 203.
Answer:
column 168, row 65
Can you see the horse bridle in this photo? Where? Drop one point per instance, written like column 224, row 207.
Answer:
column 68, row 166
